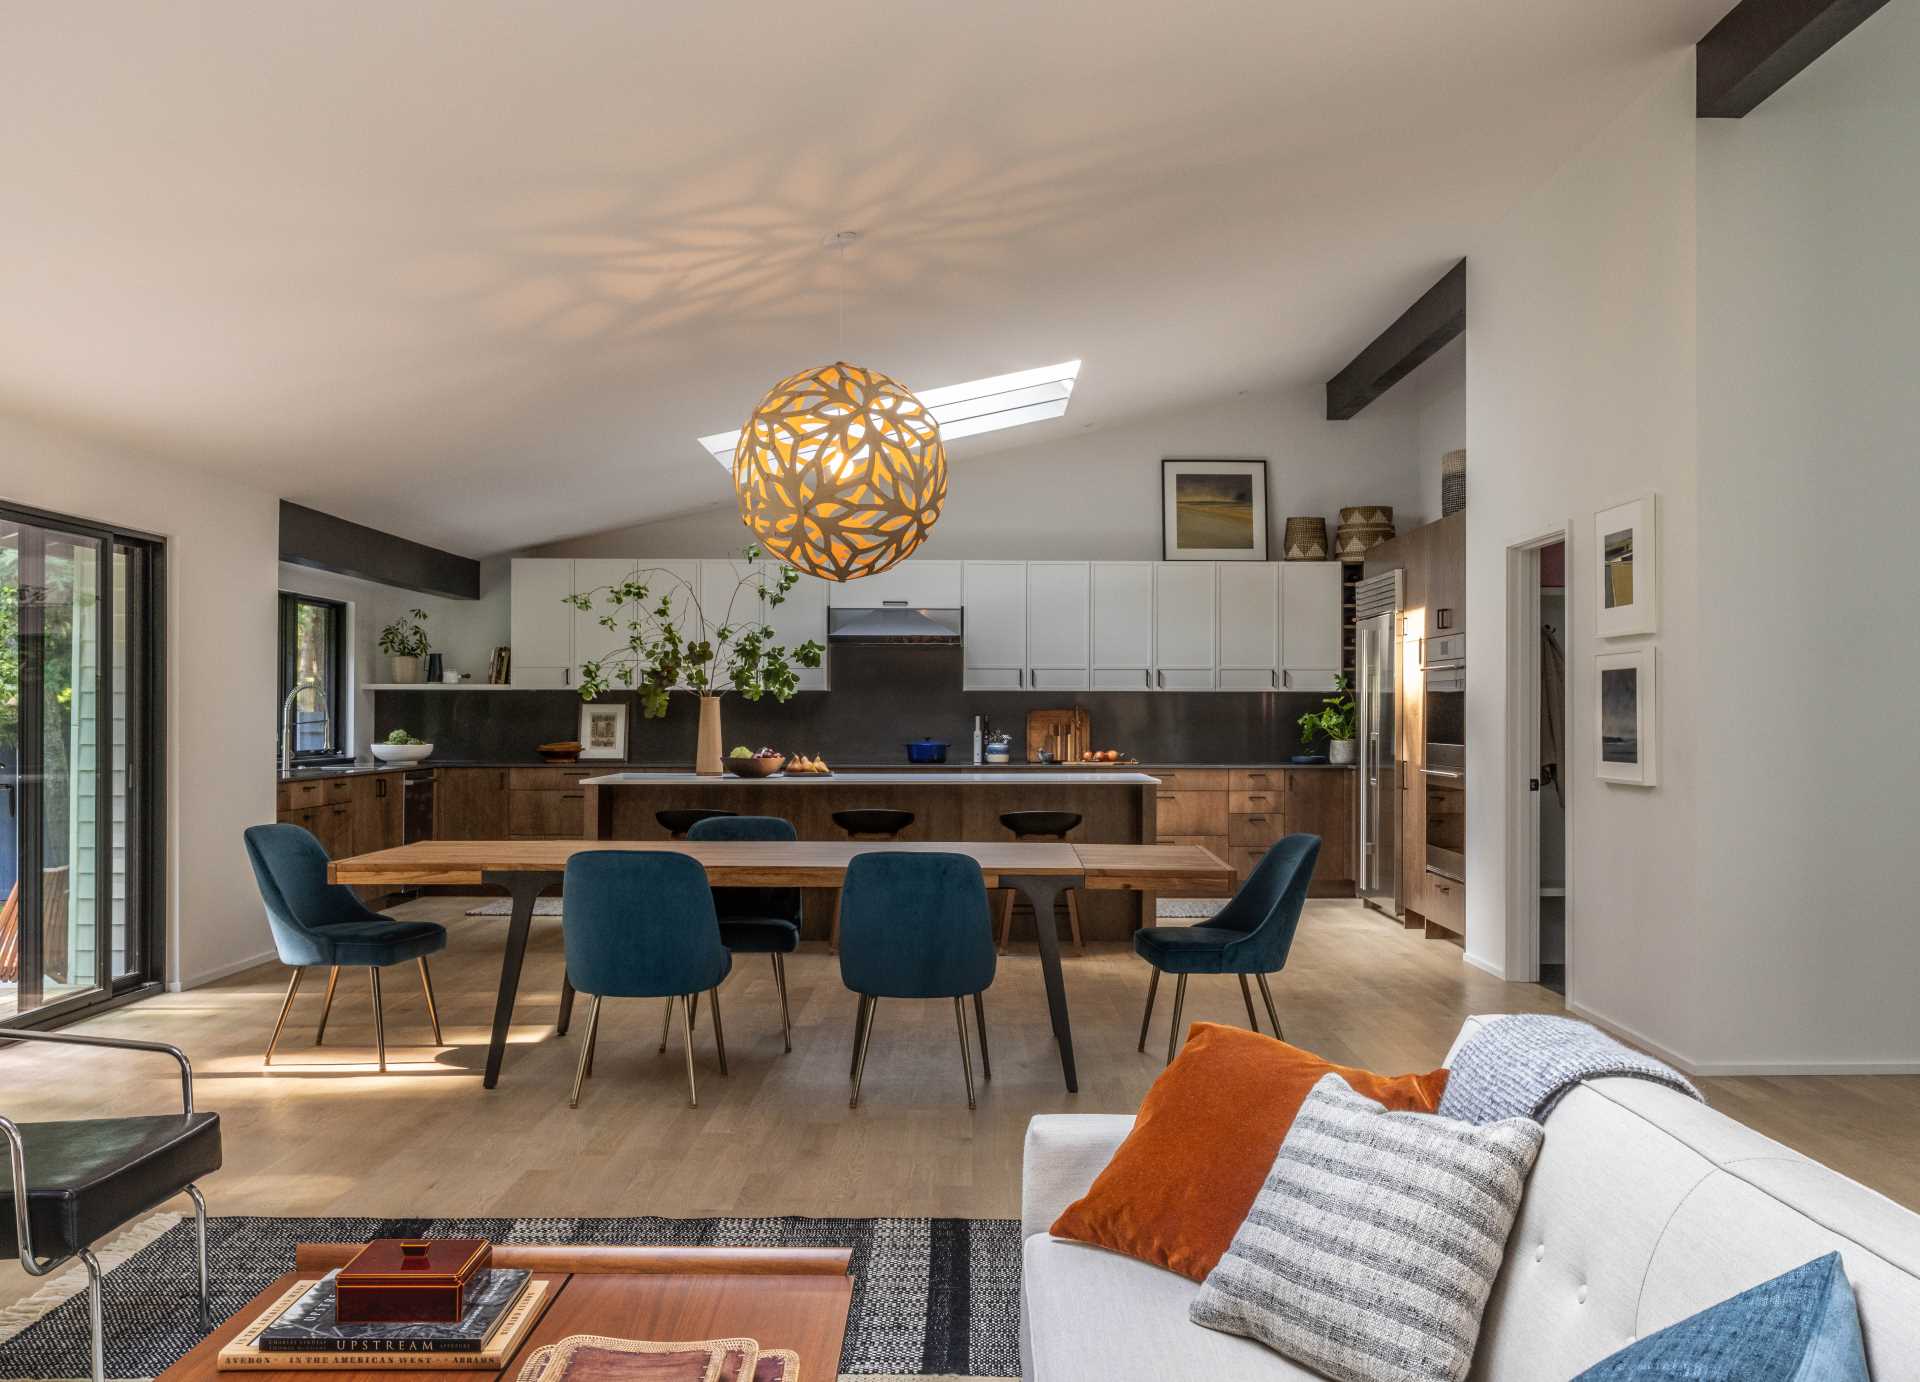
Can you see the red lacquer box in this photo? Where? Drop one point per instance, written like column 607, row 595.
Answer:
column 410, row 1280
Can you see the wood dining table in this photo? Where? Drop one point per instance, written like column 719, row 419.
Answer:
column 525, row 869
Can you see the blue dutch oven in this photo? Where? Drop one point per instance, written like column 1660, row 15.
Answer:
column 928, row 751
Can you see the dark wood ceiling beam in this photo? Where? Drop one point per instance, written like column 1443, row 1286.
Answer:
column 311, row 538
column 1439, row 316
column 1761, row 45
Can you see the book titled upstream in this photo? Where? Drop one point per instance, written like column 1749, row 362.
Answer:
column 309, row 1325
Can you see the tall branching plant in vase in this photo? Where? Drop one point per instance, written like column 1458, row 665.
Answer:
column 665, row 640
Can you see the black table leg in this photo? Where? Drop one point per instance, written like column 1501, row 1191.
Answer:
column 1041, row 892
column 523, row 887
column 566, row 1007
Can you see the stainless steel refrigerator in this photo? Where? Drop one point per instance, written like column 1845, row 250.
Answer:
column 1377, row 696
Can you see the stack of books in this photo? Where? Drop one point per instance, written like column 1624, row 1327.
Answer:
column 300, row 1330
column 590, row 1358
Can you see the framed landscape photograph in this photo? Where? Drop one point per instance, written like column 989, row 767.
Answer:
column 1626, row 700
column 1626, row 549
column 603, row 730
column 1213, row 510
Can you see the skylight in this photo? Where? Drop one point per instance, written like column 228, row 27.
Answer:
column 965, row 410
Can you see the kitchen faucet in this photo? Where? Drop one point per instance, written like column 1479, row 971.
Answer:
column 286, row 721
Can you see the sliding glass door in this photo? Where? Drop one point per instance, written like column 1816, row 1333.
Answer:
column 80, row 920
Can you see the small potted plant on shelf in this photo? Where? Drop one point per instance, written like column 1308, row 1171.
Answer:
column 1333, row 721
column 669, row 641
column 405, row 641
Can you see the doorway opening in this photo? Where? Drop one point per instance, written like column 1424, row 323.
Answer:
column 1538, row 913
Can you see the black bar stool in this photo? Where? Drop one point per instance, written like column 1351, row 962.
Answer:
column 1038, row 826
column 867, row 823
column 678, row 823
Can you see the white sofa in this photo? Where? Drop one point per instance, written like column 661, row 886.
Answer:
column 1643, row 1208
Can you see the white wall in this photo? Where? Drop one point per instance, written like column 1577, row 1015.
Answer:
column 1580, row 393
column 1436, row 396
column 222, row 545
column 1809, row 219
column 1096, row 494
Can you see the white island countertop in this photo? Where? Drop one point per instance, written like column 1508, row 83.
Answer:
column 1001, row 778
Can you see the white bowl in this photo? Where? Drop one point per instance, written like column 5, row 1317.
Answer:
column 401, row 753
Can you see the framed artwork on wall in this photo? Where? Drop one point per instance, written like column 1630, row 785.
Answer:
column 603, row 730
column 1213, row 510
column 1626, row 697
column 1626, row 552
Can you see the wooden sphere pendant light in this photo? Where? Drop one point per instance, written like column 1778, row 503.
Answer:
column 840, row 472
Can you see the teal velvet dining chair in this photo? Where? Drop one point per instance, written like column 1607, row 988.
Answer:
column 1251, row 935
column 755, row 921
column 315, row 922
column 642, row 925
column 916, row 926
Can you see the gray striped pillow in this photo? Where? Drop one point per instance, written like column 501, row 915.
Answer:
column 1370, row 1251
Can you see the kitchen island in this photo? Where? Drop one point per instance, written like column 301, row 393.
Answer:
column 1116, row 806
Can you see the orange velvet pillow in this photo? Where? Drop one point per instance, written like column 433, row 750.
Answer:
column 1178, row 1188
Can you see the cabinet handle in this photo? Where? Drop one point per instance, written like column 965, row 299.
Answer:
column 337, row 809
column 1166, row 796
column 573, row 796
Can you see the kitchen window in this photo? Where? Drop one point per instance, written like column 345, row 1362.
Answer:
column 313, row 642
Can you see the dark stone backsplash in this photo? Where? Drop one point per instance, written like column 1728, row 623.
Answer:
column 881, row 698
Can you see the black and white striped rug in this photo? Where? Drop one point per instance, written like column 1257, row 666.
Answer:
column 931, row 1297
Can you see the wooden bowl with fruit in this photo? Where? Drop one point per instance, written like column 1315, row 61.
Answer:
column 765, row 763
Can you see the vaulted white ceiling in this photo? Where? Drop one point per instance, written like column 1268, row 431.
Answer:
column 479, row 271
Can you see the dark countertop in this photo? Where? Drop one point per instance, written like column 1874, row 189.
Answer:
column 363, row 769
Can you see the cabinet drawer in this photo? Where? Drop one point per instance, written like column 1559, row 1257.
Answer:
column 1256, row 800
column 296, row 796
column 1190, row 813
column 1245, row 858
column 546, row 815
column 1446, row 903
column 340, row 788
column 551, row 779
column 1259, row 780
column 1257, row 828
column 1192, row 779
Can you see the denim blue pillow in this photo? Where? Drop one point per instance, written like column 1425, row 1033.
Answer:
column 1800, row 1327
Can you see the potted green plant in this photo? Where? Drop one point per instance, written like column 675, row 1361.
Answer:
column 405, row 641
column 1333, row 721
column 667, row 641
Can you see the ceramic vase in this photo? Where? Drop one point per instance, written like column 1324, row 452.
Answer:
column 706, row 756
column 1341, row 750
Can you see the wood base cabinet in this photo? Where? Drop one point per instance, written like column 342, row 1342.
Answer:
column 347, row 815
column 1239, row 813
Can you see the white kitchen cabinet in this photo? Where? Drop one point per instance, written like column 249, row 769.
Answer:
column 677, row 578
column 591, row 641
column 799, row 617
column 1310, row 622
column 994, row 627
column 911, row 584
column 1059, row 625
column 1184, row 624
column 1122, row 625
column 540, row 622
column 1249, row 638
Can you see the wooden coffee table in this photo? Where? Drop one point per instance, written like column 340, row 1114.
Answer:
column 793, row 1298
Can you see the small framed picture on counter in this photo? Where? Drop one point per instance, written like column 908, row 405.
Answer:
column 603, row 730
column 1627, row 697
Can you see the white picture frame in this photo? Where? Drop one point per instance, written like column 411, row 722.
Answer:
column 603, row 730
column 1626, row 567
column 1626, row 706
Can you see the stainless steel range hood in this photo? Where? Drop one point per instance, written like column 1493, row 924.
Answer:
column 894, row 623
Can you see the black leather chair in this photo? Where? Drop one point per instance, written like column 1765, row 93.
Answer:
column 72, row 1183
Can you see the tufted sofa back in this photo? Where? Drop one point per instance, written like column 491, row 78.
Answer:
column 1646, row 1206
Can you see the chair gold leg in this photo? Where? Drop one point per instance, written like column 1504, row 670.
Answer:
column 859, row 1031
column 1179, row 1002
column 1272, row 1016
column 860, row 1056
column 980, row 1017
column 379, row 1020
column 693, row 1090
column 1073, row 919
column 433, row 1013
column 1246, row 995
column 293, row 987
column 786, row 1015
column 326, row 1007
column 1006, row 918
column 719, row 1032
column 693, row 1012
column 1146, row 1018
column 966, row 1058
column 585, row 1065
column 666, row 1025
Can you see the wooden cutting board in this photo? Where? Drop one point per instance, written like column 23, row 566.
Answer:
column 1068, row 734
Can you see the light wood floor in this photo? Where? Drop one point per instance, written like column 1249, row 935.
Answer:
column 322, row 1133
